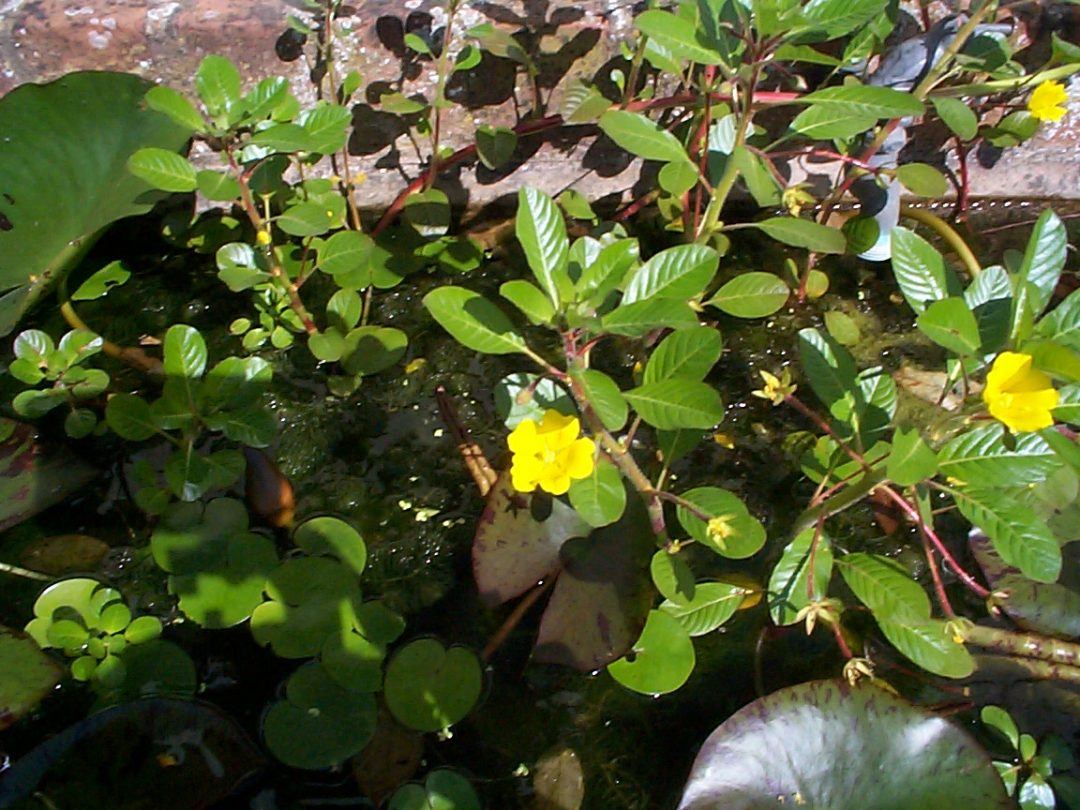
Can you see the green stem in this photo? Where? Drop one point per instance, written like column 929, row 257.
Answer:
column 1024, row 645
column 14, row 570
column 946, row 232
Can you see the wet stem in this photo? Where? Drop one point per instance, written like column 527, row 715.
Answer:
column 906, row 507
column 247, row 202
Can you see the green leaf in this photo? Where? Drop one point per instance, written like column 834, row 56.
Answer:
column 218, row 84
column 842, row 328
column 473, row 321
column 306, row 219
column 1019, row 535
column 823, row 123
column 601, row 498
column 604, row 395
column 217, row 186
column 495, row 145
column 922, row 180
column 346, row 252
column 129, row 417
column 791, row 733
column 835, row 18
column 789, row 590
column 745, row 534
column 999, row 719
column 759, row 181
column 634, row 320
column 429, row 687
column 713, row 603
column 677, row 403
column 641, row 136
column 333, row 536
column 884, row 586
column 910, row 459
column 283, row 138
column 686, row 353
column 428, row 212
column 919, row 269
column 582, row 103
column 528, row 298
column 981, row 457
column 523, row 396
column 751, row 295
column 949, row 323
column 163, row 169
column 865, row 101
column 672, row 576
column 679, row 36
column 606, row 273
column 185, row 352
column 187, row 474
column 1043, row 261
column 344, row 309
column 111, row 275
column 803, row 233
column 371, row 349
column 662, row 657
column 957, row 116
column 679, row 272
column 327, row 127
column 102, row 120
column 678, row 177
column 829, row 367
column 930, row 645
column 173, row 104
column 542, row 233
column 27, row 676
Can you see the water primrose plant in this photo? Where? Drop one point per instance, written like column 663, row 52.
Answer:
column 921, row 429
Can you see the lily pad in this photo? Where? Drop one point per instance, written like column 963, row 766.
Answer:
column 828, row 744
column 158, row 754
column 75, row 133
column 319, row 724
column 661, row 659
column 331, row 535
column 429, row 687
column 603, row 594
column 155, row 669
column 443, row 789
column 27, row 675
column 311, row 599
column 64, row 554
column 514, row 548
column 34, row 476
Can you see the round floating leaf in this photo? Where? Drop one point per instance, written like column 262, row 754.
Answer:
column 76, row 133
column 661, row 659
column 64, row 554
column 319, row 724
column 155, row 669
column 378, row 623
column 443, row 789
column 736, row 533
column 776, row 751
column 331, row 535
column 143, row 629
column 353, row 662
column 311, row 599
column 429, row 687
column 226, row 594
column 27, row 675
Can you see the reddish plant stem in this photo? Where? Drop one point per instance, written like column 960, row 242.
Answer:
column 838, row 634
column 935, row 575
column 823, row 153
column 516, row 615
column 942, row 549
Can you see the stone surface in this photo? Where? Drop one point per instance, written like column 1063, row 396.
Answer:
column 166, row 39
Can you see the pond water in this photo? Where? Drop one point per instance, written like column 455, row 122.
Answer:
column 384, row 460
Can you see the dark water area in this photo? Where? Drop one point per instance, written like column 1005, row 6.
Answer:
column 383, row 460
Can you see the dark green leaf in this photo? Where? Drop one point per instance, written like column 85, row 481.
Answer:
column 951, row 324
column 957, row 116
column 604, row 395
column 803, row 233
column 473, row 321
column 601, row 498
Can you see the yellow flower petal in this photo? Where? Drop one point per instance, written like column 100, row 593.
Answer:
column 558, row 431
column 578, row 458
column 1018, row 395
column 523, row 438
column 555, row 481
column 1047, row 101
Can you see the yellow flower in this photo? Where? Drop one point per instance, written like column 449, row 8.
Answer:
column 719, row 529
column 1047, row 101
column 549, row 455
column 796, row 197
column 776, row 389
column 1017, row 394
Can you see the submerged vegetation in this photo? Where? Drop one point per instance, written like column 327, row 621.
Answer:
column 290, row 418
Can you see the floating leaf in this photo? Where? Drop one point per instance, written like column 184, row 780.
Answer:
column 662, row 657
column 771, row 751
column 429, row 687
column 27, row 675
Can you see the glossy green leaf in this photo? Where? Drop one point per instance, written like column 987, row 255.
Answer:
column 663, row 657
column 634, row 320
column 183, row 113
column 677, row 403
column 865, row 101
column 679, row 36
column 680, row 272
column 884, row 586
column 473, row 321
column 331, row 535
column 930, row 644
column 686, row 353
column 737, row 533
column 542, row 234
column 185, row 352
column 789, row 589
column 826, row 123
column 218, row 84
column 606, row 398
column 803, row 233
column 919, row 269
column 922, row 180
column 641, row 136
column 528, row 298
column 111, row 275
column 712, row 604
column 306, row 219
column 951, row 324
column 129, row 417
column 163, row 169
column 495, row 145
column 983, row 457
column 1044, row 258
column 957, row 116
column 751, row 295
column 1019, row 535
column 371, row 349
column 910, row 459
column 600, row 498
